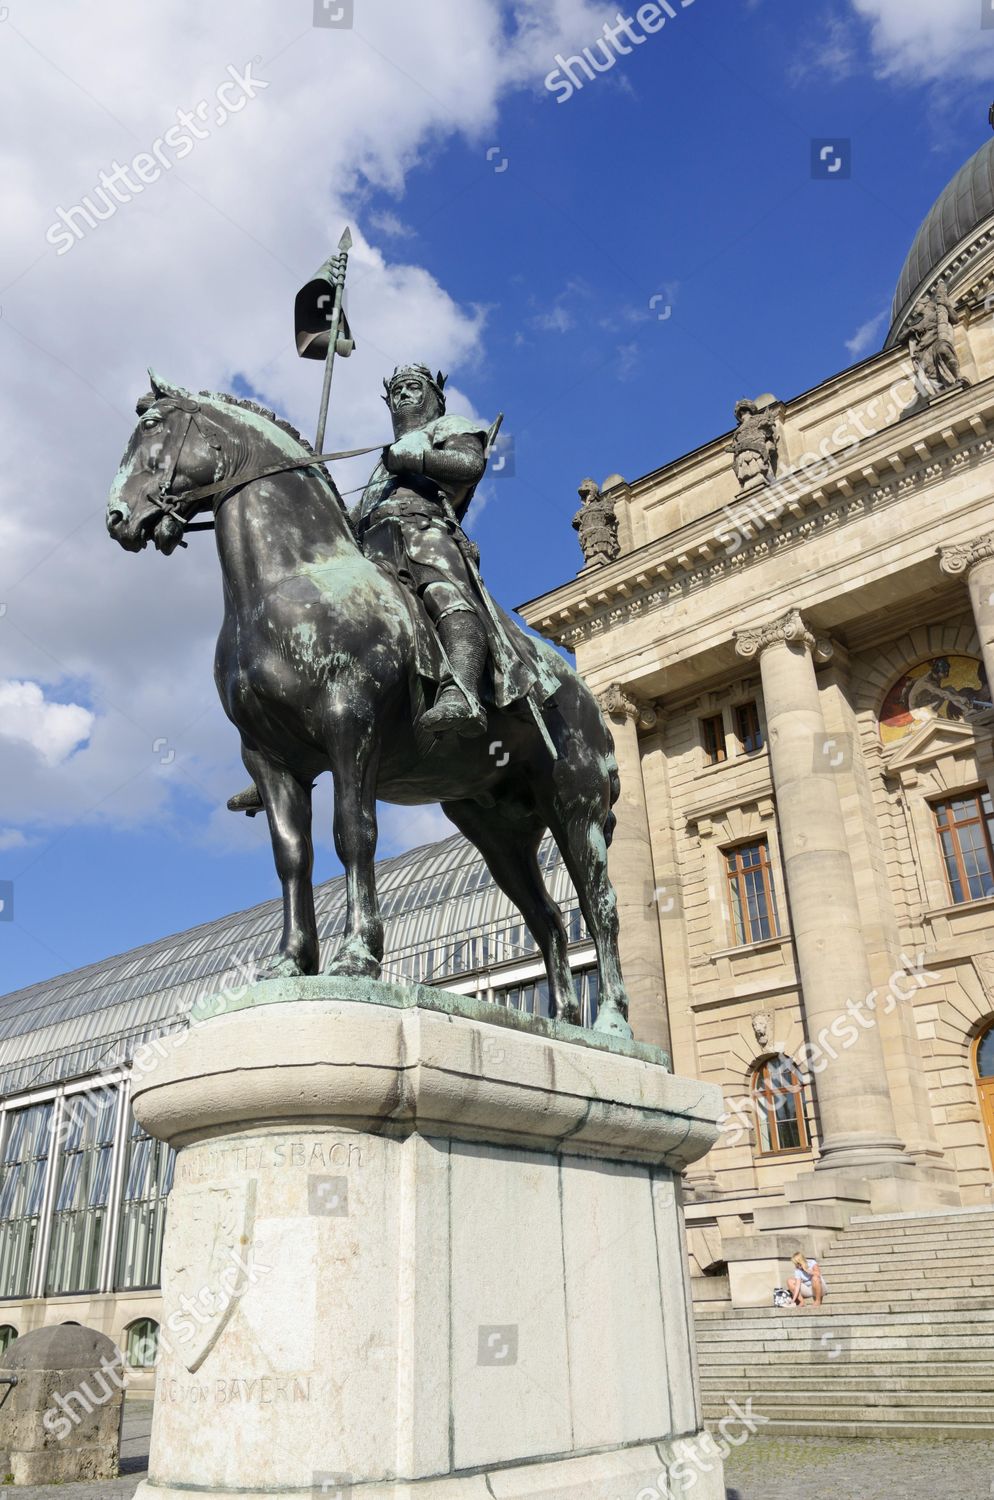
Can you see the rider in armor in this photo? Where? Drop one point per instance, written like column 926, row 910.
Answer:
column 410, row 521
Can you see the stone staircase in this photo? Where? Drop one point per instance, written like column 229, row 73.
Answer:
column 905, row 1342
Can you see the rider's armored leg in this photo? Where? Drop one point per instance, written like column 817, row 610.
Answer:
column 465, row 642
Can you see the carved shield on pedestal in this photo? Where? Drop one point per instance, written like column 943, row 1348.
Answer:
column 205, row 1265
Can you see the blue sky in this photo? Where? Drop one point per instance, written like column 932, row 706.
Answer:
column 528, row 245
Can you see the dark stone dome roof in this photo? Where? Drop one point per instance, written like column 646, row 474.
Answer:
column 962, row 206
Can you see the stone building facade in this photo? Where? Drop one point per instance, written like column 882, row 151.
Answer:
column 795, row 646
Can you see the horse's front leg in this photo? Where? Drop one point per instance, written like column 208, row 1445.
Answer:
column 288, row 809
column 355, row 760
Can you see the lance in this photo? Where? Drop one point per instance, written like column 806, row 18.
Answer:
column 321, row 334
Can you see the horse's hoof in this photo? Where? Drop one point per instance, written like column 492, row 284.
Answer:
column 284, row 968
column 351, row 963
column 611, row 1022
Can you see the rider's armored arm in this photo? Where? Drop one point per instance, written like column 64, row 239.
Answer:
column 460, row 464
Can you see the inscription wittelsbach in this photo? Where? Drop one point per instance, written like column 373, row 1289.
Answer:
column 200, row 1163
column 262, row 1390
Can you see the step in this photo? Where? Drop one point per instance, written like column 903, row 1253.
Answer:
column 981, row 1383
column 839, row 1396
column 883, row 1244
column 830, row 1429
column 963, row 1229
column 883, row 1360
column 946, row 1285
column 925, row 1216
column 925, row 1344
column 709, row 1316
column 921, row 1415
column 932, row 1261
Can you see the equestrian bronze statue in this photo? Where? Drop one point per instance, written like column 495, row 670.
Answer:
column 367, row 645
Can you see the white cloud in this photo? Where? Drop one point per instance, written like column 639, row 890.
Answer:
column 924, row 40
column 54, row 730
column 866, row 336
column 389, row 224
column 196, row 276
column 12, row 838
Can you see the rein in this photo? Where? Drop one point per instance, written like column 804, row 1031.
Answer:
column 168, row 500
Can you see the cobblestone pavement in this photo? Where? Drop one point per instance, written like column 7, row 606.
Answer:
column 793, row 1468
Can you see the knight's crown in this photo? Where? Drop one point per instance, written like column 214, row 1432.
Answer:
column 435, row 383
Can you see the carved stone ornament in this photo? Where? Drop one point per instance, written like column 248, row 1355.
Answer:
column 597, row 525
column 961, row 556
column 755, row 446
column 618, row 704
column 929, row 337
column 762, row 1026
column 787, row 629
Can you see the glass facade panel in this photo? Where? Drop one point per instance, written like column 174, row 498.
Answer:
column 82, row 1187
column 148, row 1176
column 22, row 1192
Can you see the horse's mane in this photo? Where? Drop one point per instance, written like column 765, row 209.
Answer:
column 284, row 426
column 263, row 411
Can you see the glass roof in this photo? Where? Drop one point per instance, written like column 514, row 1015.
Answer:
column 443, row 915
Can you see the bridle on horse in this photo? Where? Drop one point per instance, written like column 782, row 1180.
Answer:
column 168, row 501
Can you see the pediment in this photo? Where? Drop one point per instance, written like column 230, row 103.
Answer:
column 929, row 743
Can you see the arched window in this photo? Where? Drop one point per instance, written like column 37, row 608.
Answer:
column 143, row 1343
column 778, row 1099
column 983, row 1062
column 8, row 1333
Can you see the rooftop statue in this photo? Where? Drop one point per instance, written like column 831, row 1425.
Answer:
column 755, row 444
column 368, row 646
column 597, row 524
column 933, row 348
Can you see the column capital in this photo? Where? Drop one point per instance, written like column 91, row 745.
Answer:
column 961, row 556
column 618, row 703
column 782, row 631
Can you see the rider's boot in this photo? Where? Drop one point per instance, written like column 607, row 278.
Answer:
column 465, row 642
column 248, row 801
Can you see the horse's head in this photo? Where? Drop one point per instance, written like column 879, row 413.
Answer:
column 174, row 449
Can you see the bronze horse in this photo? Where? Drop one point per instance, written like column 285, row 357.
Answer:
column 314, row 667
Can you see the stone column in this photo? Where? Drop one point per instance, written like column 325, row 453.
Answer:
column 976, row 560
column 632, row 875
column 857, row 1118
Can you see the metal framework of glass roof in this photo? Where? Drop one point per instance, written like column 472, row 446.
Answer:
column 444, row 918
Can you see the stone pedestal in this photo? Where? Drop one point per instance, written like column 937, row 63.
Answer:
column 60, row 1419
column 418, row 1246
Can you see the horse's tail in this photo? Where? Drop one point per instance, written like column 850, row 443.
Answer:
column 614, row 791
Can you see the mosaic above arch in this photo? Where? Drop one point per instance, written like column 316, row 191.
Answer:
column 944, row 687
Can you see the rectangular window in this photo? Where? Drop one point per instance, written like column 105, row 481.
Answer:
column 81, row 1189
column 751, row 898
column 964, row 826
column 747, row 728
column 713, row 740
column 148, row 1176
column 22, row 1191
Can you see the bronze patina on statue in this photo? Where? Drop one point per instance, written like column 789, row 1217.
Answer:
column 367, row 645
